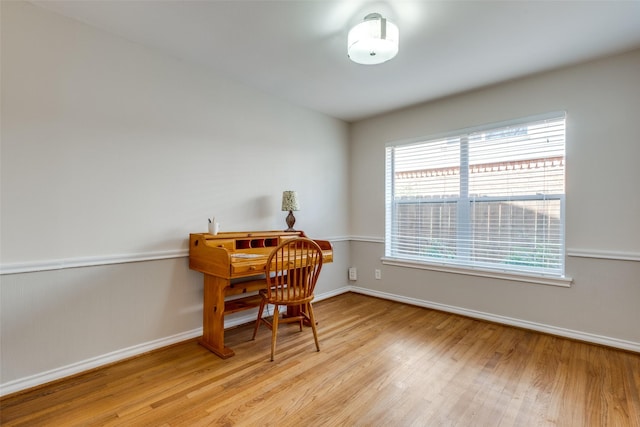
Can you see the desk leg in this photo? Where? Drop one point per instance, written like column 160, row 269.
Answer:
column 294, row 311
column 213, row 316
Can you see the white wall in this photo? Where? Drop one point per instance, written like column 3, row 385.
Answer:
column 602, row 100
column 113, row 152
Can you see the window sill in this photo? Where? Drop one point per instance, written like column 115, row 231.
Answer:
column 540, row 280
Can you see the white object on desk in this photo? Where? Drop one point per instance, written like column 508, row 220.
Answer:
column 214, row 227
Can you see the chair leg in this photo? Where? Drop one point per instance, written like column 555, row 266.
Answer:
column 274, row 330
column 258, row 320
column 313, row 325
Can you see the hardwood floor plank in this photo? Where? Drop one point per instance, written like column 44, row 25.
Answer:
column 381, row 363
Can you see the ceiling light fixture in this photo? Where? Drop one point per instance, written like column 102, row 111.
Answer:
column 373, row 41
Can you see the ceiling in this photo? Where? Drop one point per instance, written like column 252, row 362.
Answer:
column 296, row 49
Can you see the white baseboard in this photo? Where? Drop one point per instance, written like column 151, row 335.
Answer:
column 118, row 355
column 331, row 294
column 540, row 327
column 94, row 362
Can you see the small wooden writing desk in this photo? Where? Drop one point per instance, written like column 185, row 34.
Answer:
column 228, row 256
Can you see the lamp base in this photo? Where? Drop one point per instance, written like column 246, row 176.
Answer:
column 290, row 221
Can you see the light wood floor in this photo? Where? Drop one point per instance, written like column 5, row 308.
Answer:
column 381, row 364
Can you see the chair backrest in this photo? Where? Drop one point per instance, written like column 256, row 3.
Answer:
column 292, row 270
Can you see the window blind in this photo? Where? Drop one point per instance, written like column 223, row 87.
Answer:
column 490, row 198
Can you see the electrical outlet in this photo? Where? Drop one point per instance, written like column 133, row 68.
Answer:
column 378, row 274
column 353, row 273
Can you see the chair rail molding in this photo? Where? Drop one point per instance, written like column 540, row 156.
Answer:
column 64, row 263
column 604, row 254
column 92, row 261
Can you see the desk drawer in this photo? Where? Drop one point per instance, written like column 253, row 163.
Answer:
column 246, row 287
column 239, row 269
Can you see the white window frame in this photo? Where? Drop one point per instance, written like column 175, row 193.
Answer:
column 459, row 265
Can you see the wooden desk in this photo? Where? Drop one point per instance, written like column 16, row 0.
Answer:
column 234, row 263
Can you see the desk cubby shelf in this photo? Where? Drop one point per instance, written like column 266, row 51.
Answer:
column 269, row 242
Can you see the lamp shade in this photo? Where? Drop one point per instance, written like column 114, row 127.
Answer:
column 373, row 41
column 290, row 201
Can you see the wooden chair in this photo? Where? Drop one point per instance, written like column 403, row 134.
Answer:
column 292, row 270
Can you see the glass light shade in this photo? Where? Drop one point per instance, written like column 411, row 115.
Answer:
column 373, row 41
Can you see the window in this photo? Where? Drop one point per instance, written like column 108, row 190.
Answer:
column 488, row 198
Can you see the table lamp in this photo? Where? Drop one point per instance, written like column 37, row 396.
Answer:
column 290, row 203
